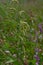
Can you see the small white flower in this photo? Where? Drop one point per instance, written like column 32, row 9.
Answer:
column 7, row 51
column 40, row 50
column 32, row 30
column 37, row 63
column 14, row 55
column 40, row 37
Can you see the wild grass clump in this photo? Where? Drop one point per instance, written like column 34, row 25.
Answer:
column 21, row 35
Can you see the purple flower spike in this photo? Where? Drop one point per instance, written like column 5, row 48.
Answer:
column 40, row 27
column 36, row 49
column 37, row 57
column 37, row 63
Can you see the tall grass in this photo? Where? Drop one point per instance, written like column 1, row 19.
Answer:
column 21, row 34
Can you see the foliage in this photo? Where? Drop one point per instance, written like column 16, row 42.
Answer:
column 21, row 34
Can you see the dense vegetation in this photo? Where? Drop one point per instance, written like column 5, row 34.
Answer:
column 21, row 32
